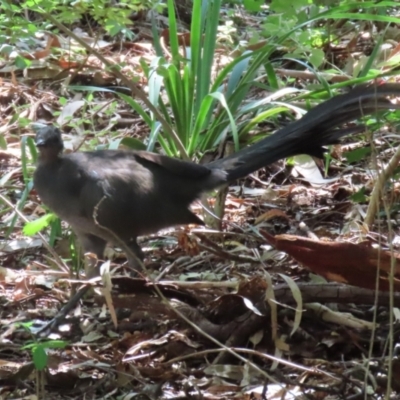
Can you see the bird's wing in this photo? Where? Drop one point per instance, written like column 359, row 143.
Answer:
column 184, row 169
column 132, row 195
column 144, row 172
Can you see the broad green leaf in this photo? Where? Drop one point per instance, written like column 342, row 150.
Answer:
column 133, row 143
column 253, row 5
column 39, row 357
column 360, row 196
column 357, row 154
column 317, row 57
column 33, row 227
column 3, row 142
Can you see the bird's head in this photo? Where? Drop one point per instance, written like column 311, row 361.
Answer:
column 49, row 142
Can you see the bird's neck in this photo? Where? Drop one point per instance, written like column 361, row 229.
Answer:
column 49, row 156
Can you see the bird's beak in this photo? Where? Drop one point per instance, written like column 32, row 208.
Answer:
column 40, row 142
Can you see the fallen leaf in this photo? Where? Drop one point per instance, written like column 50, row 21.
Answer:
column 351, row 263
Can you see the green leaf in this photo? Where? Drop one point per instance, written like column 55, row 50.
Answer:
column 113, row 27
column 54, row 344
column 357, row 154
column 317, row 57
column 221, row 98
column 286, row 7
column 137, row 107
column 3, row 142
column 173, row 33
column 272, row 78
column 24, row 159
column 32, row 148
column 55, row 231
column 253, row 5
column 133, row 143
column 48, row 344
column 6, row 49
column 33, row 227
column 360, row 196
column 22, row 62
column 39, row 357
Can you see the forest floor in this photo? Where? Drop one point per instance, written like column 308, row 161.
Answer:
column 262, row 324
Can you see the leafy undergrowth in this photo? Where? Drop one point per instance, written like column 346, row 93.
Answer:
column 216, row 314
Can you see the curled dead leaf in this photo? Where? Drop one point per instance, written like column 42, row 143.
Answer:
column 352, row 263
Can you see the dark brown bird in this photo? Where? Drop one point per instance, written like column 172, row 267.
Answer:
column 125, row 194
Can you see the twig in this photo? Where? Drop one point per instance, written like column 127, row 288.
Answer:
column 383, row 177
column 215, row 249
column 334, row 78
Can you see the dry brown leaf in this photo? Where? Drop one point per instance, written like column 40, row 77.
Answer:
column 354, row 264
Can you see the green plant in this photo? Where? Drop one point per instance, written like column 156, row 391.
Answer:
column 200, row 103
column 204, row 105
column 39, row 349
column 18, row 32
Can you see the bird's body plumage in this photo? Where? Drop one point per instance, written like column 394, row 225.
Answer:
column 112, row 194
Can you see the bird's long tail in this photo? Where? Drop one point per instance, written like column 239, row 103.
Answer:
column 321, row 126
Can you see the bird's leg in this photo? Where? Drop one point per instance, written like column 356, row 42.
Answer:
column 92, row 244
column 134, row 254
